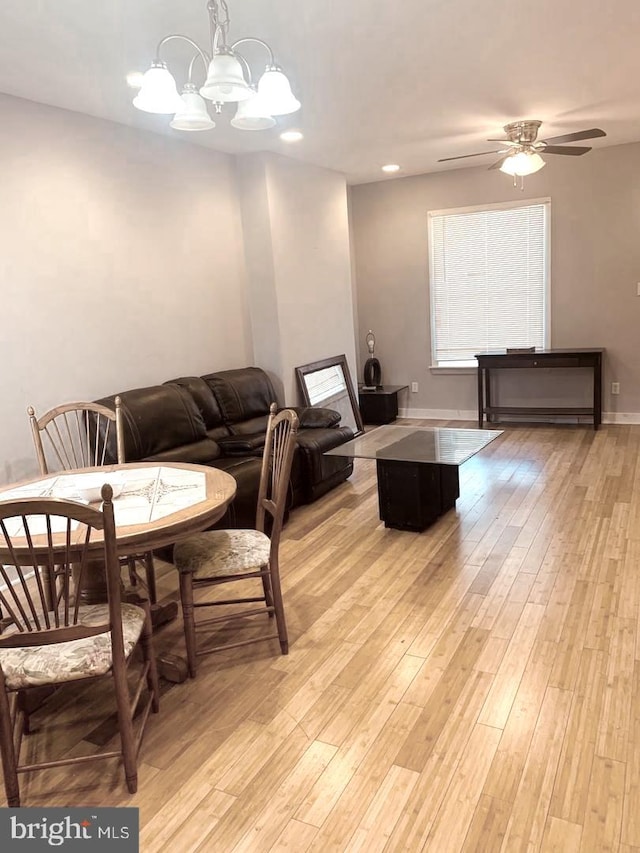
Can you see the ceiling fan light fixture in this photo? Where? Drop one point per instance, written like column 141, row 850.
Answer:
column 523, row 163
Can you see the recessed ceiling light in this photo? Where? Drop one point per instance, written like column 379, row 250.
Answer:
column 134, row 79
column 291, row 136
column 391, row 167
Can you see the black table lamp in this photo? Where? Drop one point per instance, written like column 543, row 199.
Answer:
column 372, row 370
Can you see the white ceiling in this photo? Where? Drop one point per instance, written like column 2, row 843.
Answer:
column 405, row 82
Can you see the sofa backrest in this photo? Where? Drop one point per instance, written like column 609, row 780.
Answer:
column 244, row 396
column 206, row 403
column 160, row 421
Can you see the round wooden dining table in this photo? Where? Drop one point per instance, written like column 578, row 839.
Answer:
column 155, row 505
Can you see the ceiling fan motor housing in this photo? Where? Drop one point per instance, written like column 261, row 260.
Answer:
column 522, row 132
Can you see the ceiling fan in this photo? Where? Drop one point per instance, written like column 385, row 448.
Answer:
column 521, row 156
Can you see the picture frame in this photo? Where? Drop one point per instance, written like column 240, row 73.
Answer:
column 327, row 384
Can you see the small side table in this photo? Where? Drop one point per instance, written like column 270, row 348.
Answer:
column 379, row 405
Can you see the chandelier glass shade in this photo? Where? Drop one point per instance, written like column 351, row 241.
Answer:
column 158, row 92
column 275, row 91
column 192, row 114
column 252, row 114
column 225, row 80
column 228, row 80
column 522, row 163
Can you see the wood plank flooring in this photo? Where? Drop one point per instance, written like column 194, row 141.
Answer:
column 475, row 687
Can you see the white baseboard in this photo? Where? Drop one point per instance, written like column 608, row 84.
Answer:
column 472, row 415
column 621, row 417
column 439, row 414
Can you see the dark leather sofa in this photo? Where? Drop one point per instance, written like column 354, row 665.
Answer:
column 220, row 419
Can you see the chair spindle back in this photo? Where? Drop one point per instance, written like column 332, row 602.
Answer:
column 75, row 435
column 44, row 538
column 279, row 447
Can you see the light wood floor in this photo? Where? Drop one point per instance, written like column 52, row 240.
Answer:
column 475, row 687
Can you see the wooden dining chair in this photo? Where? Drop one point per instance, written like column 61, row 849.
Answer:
column 79, row 435
column 54, row 644
column 226, row 556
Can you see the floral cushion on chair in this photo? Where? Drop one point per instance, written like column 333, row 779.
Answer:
column 222, row 552
column 30, row 666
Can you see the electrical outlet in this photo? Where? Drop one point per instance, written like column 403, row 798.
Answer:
column 414, row 387
column 615, row 387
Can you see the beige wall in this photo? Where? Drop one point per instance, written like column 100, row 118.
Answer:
column 296, row 233
column 595, row 267
column 121, row 264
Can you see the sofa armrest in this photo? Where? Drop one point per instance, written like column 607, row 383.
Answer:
column 317, row 441
column 311, row 417
column 242, row 445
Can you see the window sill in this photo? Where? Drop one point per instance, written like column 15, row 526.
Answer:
column 451, row 369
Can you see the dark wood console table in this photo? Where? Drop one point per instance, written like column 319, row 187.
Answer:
column 548, row 358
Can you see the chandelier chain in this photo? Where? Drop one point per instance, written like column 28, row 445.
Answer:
column 219, row 14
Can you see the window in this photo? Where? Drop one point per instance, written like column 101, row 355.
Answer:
column 488, row 279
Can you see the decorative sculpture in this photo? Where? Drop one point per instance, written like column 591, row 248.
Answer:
column 372, row 369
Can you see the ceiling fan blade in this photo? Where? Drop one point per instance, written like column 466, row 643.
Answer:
column 572, row 151
column 464, row 156
column 592, row 133
column 499, row 162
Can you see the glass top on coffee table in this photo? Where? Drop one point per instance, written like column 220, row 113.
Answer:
column 435, row 445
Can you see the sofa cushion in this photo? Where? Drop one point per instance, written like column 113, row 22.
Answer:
column 200, row 452
column 244, row 397
column 206, row 403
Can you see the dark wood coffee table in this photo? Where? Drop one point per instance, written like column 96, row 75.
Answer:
column 417, row 469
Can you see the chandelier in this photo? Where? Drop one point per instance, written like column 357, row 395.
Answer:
column 228, row 80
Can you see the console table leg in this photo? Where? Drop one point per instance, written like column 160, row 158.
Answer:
column 480, row 398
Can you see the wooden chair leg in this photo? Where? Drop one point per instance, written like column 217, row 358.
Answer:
column 188, row 619
column 281, row 621
column 268, row 596
column 150, row 576
column 49, row 578
column 24, row 710
column 131, row 567
column 7, row 751
column 125, row 724
column 149, row 657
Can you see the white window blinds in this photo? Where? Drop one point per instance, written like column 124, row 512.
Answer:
column 488, row 280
